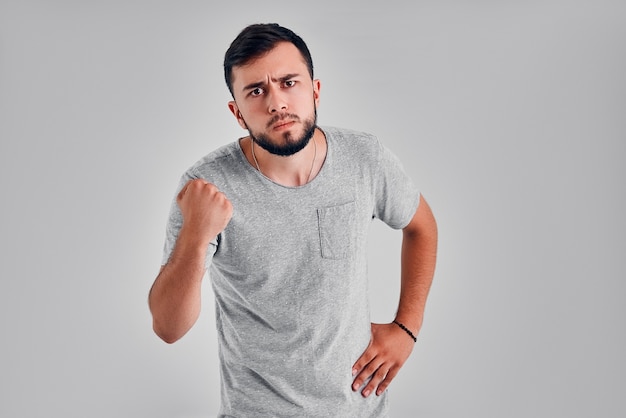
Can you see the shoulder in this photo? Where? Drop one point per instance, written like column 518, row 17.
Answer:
column 350, row 136
column 352, row 142
column 221, row 160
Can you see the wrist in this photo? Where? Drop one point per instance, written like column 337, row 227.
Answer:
column 406, row 330
column 410, row 320
column 190, row 248
column 192, row 240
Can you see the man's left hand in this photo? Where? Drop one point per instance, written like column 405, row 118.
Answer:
column 389, row 348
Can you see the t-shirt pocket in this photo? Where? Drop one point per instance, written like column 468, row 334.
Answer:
column 337, row 230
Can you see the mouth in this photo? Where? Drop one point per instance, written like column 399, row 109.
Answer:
column 282, row 121
column 284, row 124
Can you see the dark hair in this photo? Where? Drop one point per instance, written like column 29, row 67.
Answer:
column 256, row 40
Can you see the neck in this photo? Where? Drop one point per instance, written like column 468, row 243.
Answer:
column 294, row 170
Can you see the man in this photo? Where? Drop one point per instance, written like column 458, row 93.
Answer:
column 280, row 217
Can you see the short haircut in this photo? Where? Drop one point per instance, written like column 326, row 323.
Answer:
column 256, row 40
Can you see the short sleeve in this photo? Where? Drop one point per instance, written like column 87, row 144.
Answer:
column 174, row 224
column 396, row 196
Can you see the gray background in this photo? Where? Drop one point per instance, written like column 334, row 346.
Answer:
column 509, row 115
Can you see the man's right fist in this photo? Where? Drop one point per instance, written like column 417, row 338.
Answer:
column 205, row 209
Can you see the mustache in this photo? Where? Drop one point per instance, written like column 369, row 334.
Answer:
column 282, row 116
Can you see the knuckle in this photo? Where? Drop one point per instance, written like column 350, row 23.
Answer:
column 373, row 382
column 381, row 388
column 369, row 369
column 369, row 355
column 371, row 385
column 366, row 372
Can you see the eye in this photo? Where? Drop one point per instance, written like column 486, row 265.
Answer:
column 290, row 83
column 256, row 92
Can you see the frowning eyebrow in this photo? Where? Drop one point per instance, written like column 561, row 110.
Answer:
column 262, row 83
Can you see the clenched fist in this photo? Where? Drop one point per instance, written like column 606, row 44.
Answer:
column 206, row 211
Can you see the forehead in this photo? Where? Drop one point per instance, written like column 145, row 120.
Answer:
column 283, row 59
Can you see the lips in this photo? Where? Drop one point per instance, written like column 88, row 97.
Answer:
column 283, row 124
column 282, row 121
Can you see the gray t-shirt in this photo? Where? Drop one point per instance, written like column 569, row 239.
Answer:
column 289, row 274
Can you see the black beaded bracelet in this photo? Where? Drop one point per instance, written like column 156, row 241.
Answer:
column 408, row 331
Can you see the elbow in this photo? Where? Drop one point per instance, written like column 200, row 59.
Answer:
column 169, row 340
column 161, row 326
column 171, row 328
column 167, row 334
column 166, row 329
column 169, row 323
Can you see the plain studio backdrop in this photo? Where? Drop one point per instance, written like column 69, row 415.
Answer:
column 510, row 116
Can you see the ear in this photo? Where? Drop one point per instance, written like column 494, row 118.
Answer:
column 317, row 85
column 234, row 109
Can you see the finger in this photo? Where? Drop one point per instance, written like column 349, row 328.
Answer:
column 367, row 356
column 191, row 183
column 183, row 191
column 377, row 377
column 365, row 374
column 387, row 380
column 200, row 184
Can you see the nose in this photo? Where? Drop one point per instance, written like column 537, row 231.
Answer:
column 276, row 101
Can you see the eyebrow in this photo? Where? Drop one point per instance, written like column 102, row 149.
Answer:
column 262, row 83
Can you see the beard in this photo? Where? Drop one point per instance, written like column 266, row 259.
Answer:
column 291, row 145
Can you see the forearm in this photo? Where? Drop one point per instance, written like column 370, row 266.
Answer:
column 175, row 297
column 418, row 259
column 389, row 346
